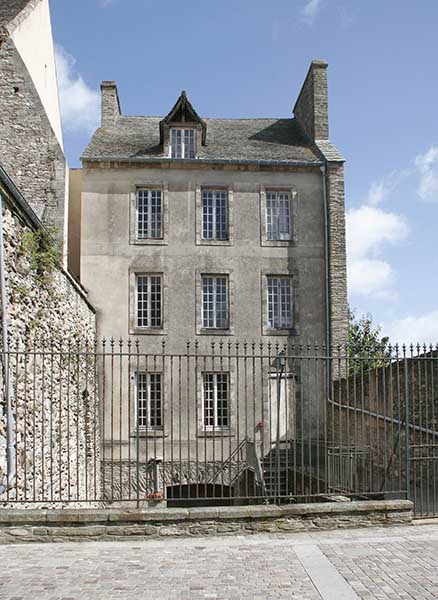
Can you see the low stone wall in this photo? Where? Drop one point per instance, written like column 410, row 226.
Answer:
column 115, row 524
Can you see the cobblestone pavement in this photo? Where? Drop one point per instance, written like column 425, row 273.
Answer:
column 400, row 562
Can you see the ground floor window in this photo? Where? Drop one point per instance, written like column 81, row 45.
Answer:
column 149, row 400
column 216, row 399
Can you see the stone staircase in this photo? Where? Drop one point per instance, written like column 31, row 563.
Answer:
column 277, row 473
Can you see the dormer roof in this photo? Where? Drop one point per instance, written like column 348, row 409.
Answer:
column 183, row 113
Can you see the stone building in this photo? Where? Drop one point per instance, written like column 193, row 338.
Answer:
column 210, row 230
column 49, row 411
column 31, row 144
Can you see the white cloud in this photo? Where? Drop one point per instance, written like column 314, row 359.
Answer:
column 377, row 192
column 311, row 9
column 416, row 329
column 369, row 230
column 80, row 105
column 427, row 172
column 370, row 276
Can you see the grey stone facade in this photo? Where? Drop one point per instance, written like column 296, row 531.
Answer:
column 29, row 149
column 246, row 158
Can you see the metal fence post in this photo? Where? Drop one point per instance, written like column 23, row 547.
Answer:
column 407, row 420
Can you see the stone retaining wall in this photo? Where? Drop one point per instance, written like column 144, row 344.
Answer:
column 115, row 524
column 51, row 367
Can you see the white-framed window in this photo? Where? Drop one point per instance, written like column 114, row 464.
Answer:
column 149, row 400
column 215, row 302
column 278, row 216
column 216, row 401
column 214, row 215
column 279, row 302
column 148, row 300
column 149, row 214
column 182, row 143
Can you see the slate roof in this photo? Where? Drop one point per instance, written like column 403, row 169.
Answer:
column 227, row 139
column 9, row 9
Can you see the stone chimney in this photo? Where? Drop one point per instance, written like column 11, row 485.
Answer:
column 110, row 103
column 311, row 108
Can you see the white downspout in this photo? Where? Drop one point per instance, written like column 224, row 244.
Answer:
column 10, row 426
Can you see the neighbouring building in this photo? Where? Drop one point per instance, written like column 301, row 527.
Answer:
column 49, row 407
column 31, row 144
column 210, row 230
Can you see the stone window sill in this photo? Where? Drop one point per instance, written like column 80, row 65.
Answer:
column 278, row 243
column 216, row 332
column 147, row 331
column 217, row 433
column 150, row 242
column 214, row 242
column 273, row 332
column 148, row 433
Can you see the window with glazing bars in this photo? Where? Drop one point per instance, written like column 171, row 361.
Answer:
column 149, row 400
column 278, row 221
column 214, row 215
column 148, row 300
column 182, row 143
column 216, row 400
column 149, row 214
column 214, row 302
column 279, row 302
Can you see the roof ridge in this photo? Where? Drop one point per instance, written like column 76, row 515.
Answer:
column 214, row 118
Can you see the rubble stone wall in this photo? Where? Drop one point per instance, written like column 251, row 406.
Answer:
column 29, row 149
column 53, row 375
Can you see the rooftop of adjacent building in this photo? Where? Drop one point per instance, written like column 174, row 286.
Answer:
column 10, row 9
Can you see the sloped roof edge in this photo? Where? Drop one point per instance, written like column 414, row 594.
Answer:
column 13, row 12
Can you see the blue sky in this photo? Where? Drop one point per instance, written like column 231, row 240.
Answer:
column 248, row 58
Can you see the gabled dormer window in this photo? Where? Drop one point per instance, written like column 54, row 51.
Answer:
column 182, row 131
column 182, row 142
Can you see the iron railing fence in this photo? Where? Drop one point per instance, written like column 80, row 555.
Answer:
column 223, row 423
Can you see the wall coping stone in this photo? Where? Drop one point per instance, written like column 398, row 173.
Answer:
column 51, row 517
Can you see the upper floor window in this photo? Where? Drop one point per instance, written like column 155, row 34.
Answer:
column 278, row 216
column 149, row 400
column 279, row 304
column 182, row 143
column 215, row 302
column 149, row 214
column 148, row 301
column 214, row 215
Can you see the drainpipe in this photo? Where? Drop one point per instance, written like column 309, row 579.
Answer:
column 10, row 426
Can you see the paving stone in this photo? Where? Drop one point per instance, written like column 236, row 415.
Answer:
column 372, row 564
